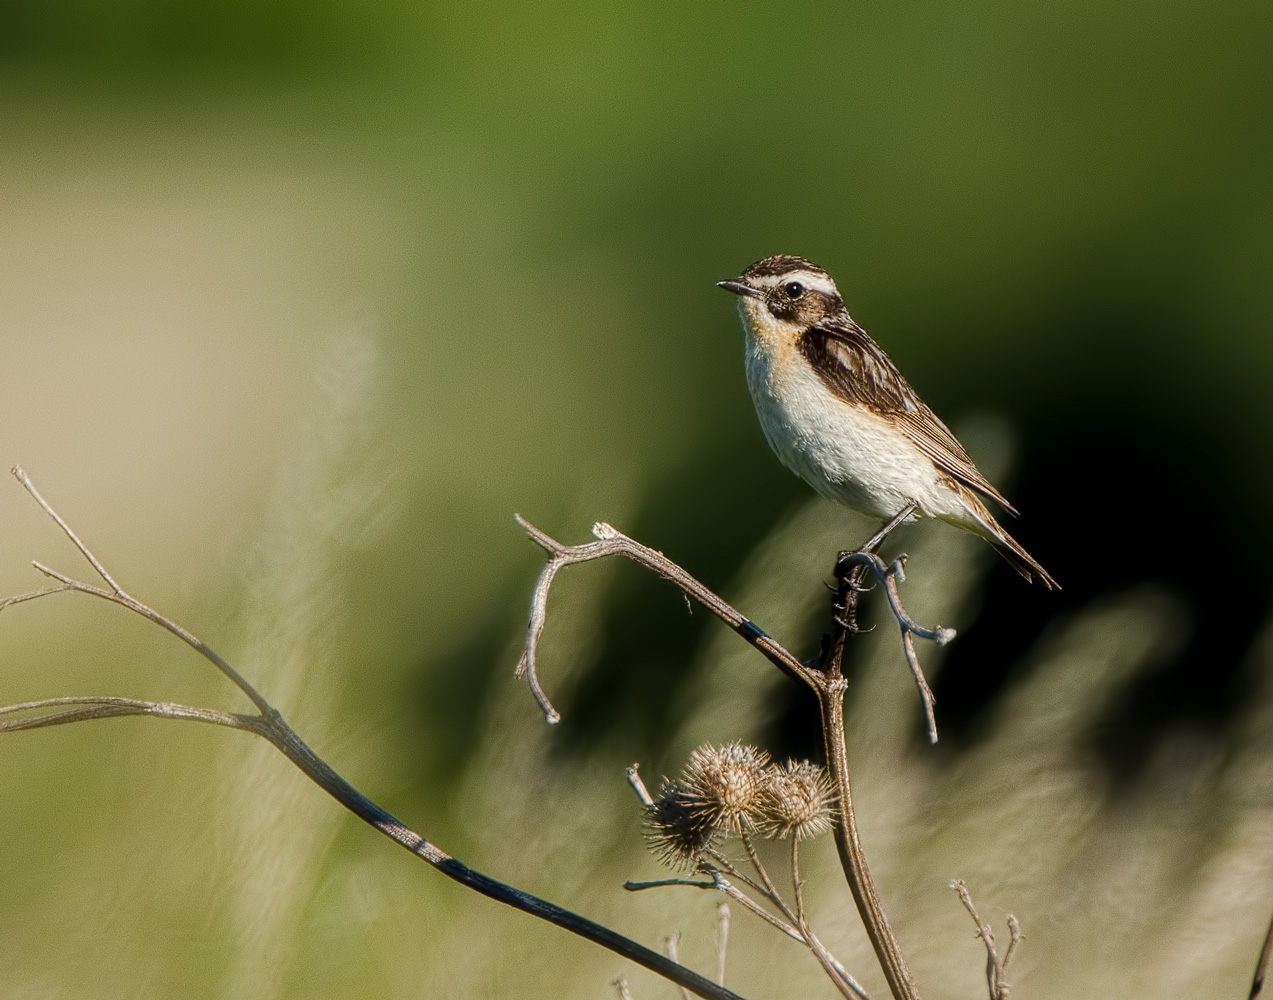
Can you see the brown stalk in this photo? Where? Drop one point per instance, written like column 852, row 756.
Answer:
column 830, row 686
column 826, row 678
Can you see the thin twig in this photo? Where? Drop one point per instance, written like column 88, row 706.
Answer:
column 722, row 884
column 659, row 883
column 995, row 981
column 638, row 786
column 921, row 684
column 108, row 707
column 730, row 868
column 722, row 940
column 736, row 894
column 672, row 945
column 770, row 889
column 847, row 985
column 889, row 576
column 797, row 884
column 1014, row 939
column 611, row 542
column 33, row 595
column 124, row 599
column 270, row 725
column 21, row 476
column 1262, row 966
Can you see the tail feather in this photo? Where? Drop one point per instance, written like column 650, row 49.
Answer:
column 1021, row 560
column 984, row 524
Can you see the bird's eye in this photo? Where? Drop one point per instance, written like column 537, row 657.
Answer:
column 794, row 289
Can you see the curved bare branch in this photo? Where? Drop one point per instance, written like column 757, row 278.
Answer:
column 609, row 542
column 270, row 725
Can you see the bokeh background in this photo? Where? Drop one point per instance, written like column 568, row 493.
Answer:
column 300, row 302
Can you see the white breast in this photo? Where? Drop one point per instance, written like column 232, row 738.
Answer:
column 842, row 450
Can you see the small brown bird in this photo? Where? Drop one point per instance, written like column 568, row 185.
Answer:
column 838, row 413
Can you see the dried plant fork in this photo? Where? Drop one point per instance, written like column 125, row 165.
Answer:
column 825, row 678
column 269, row 724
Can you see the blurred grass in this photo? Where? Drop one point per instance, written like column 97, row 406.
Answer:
column 1060, row 212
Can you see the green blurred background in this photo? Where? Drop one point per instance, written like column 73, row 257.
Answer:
column 300, row 302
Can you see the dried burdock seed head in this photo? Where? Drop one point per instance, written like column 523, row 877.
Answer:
column 727, row 784
column 678, row 832
column 799, row 799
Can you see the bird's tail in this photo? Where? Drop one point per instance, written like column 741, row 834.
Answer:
column 1007, row 546
column 1021, row 560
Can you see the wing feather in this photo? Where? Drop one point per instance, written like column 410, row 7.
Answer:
column 854, row 367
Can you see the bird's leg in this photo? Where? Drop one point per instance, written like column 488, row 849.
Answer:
column 877, row 539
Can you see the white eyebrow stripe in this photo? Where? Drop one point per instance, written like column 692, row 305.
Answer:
column 817, row 282
column 810, row 279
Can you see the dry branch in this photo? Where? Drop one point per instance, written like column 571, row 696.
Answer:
column 995, row 967
column 825, row 678
column 270, row 725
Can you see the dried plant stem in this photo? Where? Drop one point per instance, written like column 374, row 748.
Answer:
column 1262, row 966
column 270, row 725
column 825, row 678
column 852, row 857
column 730, row 868
column 612, row 542
column 770, row 889
column 660, row 883
column 851, row 570
column 672, row 945
column 995, row 968
column 806, row 937
column 1014, row 939
column 722, row 940
column 722, row 884
column 848, row 986
column 941, row 636
column 845, row 983
column 638, row 786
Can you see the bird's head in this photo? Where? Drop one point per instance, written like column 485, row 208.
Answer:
column 783, row 296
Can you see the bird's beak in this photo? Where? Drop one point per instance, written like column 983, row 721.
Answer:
column 739, row 287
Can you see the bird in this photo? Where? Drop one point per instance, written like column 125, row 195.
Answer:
column 839, row 414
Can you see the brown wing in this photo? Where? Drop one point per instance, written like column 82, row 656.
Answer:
column 853, row 367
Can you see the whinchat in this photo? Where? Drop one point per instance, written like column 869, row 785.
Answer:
column 840, row 415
